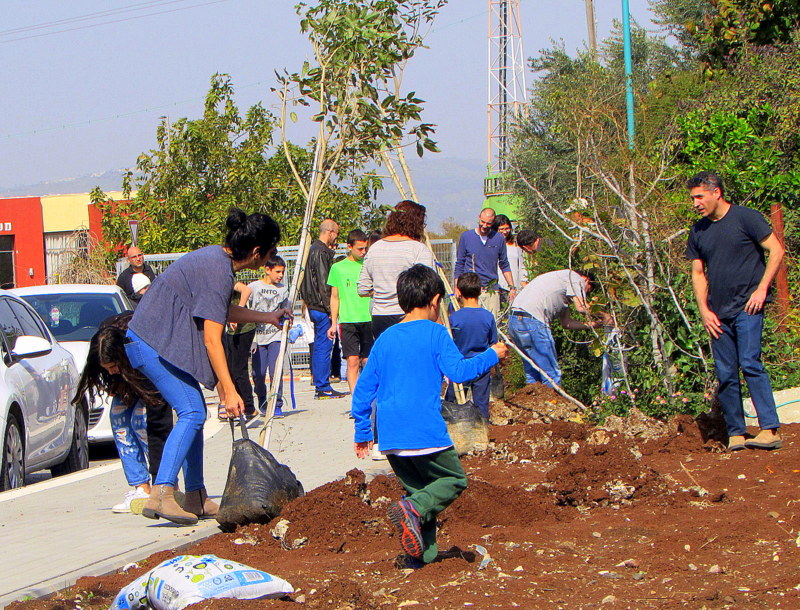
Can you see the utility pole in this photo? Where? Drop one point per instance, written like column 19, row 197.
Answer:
column 591, row 25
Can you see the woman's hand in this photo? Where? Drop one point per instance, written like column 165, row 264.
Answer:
column 234, row 404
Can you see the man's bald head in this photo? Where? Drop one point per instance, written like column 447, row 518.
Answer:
column 328, row 232
column 135, row 258
column 486, row 221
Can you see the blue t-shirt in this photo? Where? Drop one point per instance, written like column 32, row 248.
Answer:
column 474, row 330
column 170, row 316
column 404, row 373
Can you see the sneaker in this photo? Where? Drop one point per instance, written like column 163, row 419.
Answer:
column 407, row 562
column 406, row 519
column 278, row 413
column 134, row 494
column 329, row 394
column 376, row 454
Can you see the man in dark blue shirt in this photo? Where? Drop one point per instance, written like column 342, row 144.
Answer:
column 731, row 281
column 481, row 251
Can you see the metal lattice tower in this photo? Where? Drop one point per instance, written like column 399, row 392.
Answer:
column 507, row 91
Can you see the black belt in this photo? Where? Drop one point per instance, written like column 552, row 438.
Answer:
column 520, row 314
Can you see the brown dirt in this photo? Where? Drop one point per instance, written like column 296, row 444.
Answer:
column 637, row 514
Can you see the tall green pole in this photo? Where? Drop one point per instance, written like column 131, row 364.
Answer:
column 626, row 40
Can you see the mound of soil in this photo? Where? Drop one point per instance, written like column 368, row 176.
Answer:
column 635, row 514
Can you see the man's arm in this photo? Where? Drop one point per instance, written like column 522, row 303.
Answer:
column 461, row 256
column 776, row 253
column 570, row 323
column 334, row 312
column 700, row 286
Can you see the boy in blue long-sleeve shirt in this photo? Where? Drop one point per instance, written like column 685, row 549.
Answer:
column 474, row 330
column 404, row 373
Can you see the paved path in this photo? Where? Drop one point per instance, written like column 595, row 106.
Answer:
column 58, row 530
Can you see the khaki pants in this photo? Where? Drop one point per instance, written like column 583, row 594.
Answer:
column 491, row 301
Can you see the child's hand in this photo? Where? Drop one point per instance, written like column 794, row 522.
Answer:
column 332, row 333
column 501, row 349
column 363, row 449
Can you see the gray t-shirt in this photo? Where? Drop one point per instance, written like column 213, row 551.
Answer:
column 267, row 297
column 170, row 316
column 549, row 294
column 384, row 263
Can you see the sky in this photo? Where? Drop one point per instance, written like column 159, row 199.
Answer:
column 87, row 80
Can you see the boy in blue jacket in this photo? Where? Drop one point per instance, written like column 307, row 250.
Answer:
column 404, row 373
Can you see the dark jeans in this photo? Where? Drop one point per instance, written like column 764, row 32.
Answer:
column 237, row 353
column 432, row 482
column 739, row 347
column 159, row 425
column 265, row 358
column 321, row 355
column 480, row 392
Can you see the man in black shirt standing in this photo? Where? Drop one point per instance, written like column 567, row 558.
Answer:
column 731, row 280
column 316, row 295
column 137, row 265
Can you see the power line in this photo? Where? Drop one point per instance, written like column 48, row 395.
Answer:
column 94, row 25
column 117, row 116
column 108, row 12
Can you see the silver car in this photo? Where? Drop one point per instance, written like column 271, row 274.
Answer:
column 40, row 427
column 73, row 312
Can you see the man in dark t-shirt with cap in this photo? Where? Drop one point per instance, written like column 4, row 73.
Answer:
column 731, row 279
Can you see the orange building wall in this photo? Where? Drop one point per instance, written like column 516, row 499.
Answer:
column 22, row 218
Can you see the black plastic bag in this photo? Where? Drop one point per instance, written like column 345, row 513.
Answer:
column 466, row 425
column 258, row 486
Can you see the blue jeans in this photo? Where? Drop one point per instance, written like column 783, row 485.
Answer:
column 534, row 338
column 130, row 436
column 739, row 347
column 184, row 446
column 265, row 358
column 321, row 356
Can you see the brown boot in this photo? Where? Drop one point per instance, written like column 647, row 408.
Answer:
column 162, row 504
column 198, row 502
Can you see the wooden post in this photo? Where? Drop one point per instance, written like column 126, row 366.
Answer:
column 782, row 280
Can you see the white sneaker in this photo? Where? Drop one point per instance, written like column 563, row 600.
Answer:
column 134, row 494
column 376, row 454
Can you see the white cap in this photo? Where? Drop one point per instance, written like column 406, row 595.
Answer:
column 139, row 281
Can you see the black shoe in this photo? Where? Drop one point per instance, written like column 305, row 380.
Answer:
column 329, row 394
column 407, row 562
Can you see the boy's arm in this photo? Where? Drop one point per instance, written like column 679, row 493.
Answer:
column 493, row 332
column 457, row 368
column 364, row 394
column 334, row 312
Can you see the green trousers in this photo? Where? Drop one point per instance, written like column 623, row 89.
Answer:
column 432, row 482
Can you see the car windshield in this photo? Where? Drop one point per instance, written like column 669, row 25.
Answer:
column 74, row 317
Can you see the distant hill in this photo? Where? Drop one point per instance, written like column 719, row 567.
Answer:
column 447, row 186
column 110, row 180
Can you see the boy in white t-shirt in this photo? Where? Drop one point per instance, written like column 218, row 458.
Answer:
column 268, row 294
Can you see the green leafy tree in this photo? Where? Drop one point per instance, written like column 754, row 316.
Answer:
column 200, row 168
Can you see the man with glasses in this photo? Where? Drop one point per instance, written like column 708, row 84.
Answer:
column 136, row 265
column 481, row 251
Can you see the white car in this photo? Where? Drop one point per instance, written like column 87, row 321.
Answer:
column 40, row 427
column 73, row 312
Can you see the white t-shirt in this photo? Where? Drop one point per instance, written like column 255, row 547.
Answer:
column 267, row 298
column 549, row 294
column 519, row 272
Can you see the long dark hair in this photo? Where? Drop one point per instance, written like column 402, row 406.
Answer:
column 246, row 232
column 107, row 346
column 407, row 218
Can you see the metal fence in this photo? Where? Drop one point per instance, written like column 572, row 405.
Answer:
column 443, row 249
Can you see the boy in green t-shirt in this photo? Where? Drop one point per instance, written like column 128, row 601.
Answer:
column 350, row 312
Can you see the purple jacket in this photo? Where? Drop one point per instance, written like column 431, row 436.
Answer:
column 483, row 259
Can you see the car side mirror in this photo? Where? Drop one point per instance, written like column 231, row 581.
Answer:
column 27, row 346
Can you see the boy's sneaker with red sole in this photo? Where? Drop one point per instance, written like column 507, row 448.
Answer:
column 406, row 519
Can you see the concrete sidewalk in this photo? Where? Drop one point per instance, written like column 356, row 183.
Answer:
column 56, row 531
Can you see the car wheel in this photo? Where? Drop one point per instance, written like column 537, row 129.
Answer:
column 12, row 470
column 78, row 456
